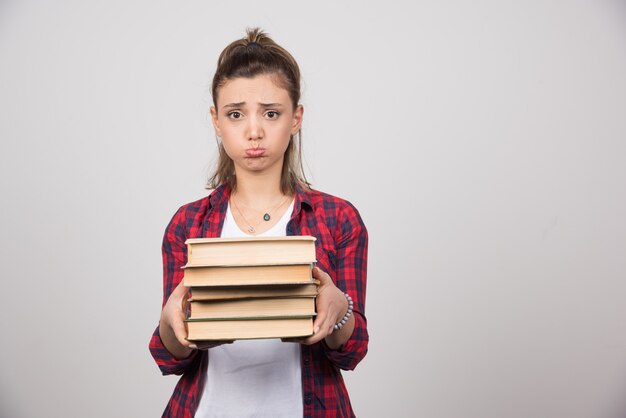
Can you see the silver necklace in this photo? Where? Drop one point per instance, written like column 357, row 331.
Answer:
column 266, row 216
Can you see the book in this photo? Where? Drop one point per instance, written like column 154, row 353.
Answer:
column 244, row 288
column 249, row 328
column 257, row 308
column 247, row 274
column 250, row 251
column 254, row 291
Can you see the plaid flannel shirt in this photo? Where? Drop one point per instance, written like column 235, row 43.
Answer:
column 341, row 251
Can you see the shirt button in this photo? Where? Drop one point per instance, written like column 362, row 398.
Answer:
column 307, row 400
column 306, row 360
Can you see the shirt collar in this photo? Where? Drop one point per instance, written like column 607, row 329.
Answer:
column 219, row 196
column 303, row 199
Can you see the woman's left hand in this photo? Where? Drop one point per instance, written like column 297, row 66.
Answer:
column 331, row 306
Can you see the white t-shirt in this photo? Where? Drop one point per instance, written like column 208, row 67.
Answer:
column 253, row 378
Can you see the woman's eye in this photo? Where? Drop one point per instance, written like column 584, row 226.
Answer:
column 271, row 114
column 234, row 115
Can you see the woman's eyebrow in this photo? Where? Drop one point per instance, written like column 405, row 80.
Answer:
column 270, row 104
column 233, row 105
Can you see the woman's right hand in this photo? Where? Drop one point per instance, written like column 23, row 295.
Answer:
column 172, row 327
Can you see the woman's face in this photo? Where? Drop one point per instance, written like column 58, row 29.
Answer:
column 255, row 119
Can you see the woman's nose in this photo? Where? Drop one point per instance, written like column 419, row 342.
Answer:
column 255, row 129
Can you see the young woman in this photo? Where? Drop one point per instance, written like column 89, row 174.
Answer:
column 259, row 189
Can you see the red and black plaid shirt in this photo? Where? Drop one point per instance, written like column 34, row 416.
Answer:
column 341, row 249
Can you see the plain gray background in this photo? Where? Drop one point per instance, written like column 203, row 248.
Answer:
column 482, row 141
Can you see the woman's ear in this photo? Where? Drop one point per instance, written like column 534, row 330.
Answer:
column 297, row 119
column 216, row 123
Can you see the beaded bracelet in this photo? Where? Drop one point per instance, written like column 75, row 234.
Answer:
column 348, row 314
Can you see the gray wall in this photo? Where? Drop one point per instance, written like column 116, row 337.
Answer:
column 482, row 141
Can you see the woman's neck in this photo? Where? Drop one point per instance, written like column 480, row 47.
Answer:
column 258, row 190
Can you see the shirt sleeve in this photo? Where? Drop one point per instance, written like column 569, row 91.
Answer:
column 174, row 257
column 351, row 277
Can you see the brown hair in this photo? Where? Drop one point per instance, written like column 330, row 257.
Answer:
column 254, row 55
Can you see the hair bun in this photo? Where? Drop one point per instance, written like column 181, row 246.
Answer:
column 256, row 36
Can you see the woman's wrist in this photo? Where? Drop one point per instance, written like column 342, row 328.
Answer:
column 341, row 322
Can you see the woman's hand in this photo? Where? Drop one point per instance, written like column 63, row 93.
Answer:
column 331, row 305
column 172, row 327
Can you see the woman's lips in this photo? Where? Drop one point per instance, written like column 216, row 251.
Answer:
column 255, row 152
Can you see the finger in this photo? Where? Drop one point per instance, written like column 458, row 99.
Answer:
column 321, row 275
column 322, row 328
column 306, row 340
column 181, row 293
column 180, row 331
column 319, row 322
column 324, row 318
column 317, row 336
column 180, row 289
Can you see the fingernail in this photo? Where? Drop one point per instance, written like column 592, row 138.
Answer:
column 193, row 346
column 316, row 330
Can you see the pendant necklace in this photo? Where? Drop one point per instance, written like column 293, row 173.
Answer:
column 266, row 216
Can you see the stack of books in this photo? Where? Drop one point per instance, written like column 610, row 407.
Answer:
column 244, row 288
